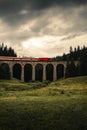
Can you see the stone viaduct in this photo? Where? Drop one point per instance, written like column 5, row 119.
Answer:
column 33, row 64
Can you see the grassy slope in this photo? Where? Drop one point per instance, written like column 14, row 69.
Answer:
column 60, row 105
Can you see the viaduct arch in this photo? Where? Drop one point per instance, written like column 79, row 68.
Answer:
column 45, row 66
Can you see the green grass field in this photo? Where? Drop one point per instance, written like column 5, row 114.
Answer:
column 59, row 105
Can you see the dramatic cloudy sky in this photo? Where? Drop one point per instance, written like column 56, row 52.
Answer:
column 43, row 28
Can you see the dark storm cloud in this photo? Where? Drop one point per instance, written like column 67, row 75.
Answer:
column 42, row 4
column 22, row 20
column 10, row 9
column 15, row 5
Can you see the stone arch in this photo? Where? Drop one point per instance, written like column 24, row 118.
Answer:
column 4, row 71
column 17, row 69
column 60, row 71
column 39, row 72
column 49, row 72
column 27, row 72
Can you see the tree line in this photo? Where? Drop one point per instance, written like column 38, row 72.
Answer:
column 77, row 54
column 74, row 54
column 7, row 51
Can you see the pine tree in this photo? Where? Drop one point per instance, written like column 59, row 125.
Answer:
column 5, row 51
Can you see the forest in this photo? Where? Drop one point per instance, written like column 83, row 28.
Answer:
column 75, row 54
column 7, row 51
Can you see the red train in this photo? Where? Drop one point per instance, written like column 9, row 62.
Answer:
column 8, row 58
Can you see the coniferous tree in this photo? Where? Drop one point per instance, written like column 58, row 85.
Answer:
column 5, row 51
column 64, row 58
column 71, row 70
column 83, row 63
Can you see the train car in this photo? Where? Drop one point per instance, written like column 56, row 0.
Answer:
column 5, row 58
column 29, row 59
column 45, row 59
column 8, row 58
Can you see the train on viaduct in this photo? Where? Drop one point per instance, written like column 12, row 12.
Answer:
column 29, row 65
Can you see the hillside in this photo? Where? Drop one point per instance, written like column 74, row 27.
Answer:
column 59, row 105
column 69, row 85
